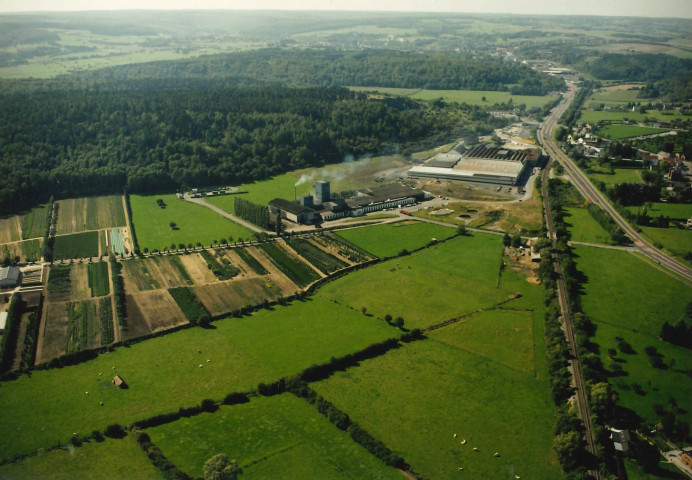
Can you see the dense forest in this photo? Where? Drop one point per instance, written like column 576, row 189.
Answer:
column 72, row 143
column 367, row 68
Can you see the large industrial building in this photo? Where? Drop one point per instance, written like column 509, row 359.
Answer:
column 322, row 207
column 480, row 164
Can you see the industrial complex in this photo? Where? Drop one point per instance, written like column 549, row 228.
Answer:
column 322, row 207
column 482, row 164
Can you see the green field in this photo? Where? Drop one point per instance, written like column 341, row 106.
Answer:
column 105, row 212
column 628, row 298
column 403, row 92
column 595, row 116
column 583, row 228
column 76, row 245
column 324, row 261
column 621, row 175
column 190, row 305
column 163, row 374
column 625, row 96
column 617, row 132
column 280, row 437
column 27, row 250
column 389, row 239
column 299, row 273
column 34, row 223
column 194, row 223
column 431, row 286
column 92, row 460
column 677, row 241
column 416, row 398
column 98, row 279
column 674, row 211
column 475, row 97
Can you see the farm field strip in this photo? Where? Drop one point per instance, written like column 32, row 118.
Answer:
column 98, row 279
column 229, row 296
column 10, row 229
column 104, row 212
column 35, row 222
column 617, row 132
column 324, row 261
column 289, row 265
column 26, row 250
column 76, row 245
column 164, row 374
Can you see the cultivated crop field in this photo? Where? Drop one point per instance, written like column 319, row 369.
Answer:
column 157, row 311
column 27, row 250
column 617, row 132
column 11, row 229
column 90, row 213
column 225, row 297
column 428, row 287
column 76, row 245
column 98, row 279
column 193, row 223
column 389, row 239
column 583, row 228
column 92, row 460
column 622, row 305
column 295, row 269
column 279, row 437
column 416, row 398
column 324, row 261
column 35, row 222
column 164, row 374
column 155, row 272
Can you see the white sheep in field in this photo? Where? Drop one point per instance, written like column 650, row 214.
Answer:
column 455, row 435
column 463, row 442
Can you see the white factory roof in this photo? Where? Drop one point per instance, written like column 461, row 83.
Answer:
column 468, row 167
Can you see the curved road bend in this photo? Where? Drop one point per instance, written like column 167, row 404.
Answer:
column 568, row 324
column 587, row 189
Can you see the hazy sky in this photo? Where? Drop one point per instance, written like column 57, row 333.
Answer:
column 639, row 8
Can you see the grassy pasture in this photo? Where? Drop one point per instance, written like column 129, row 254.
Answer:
column 675, row 211
column 618, row 94
column 91, row 460
column 402, row 92
column 417, row 397
column 271, row 437
column 621, row 175
column 430, row 286
column 583, row 228
column 76, row 245
column 389, row 239
column 677, row 241
column 622, row 304
column 475, row 97
column 595, row 116
column 163, row 373
column 194, row 223
column 617, row 132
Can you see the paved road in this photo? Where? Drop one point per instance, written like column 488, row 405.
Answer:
column 233, row 218
column 568, row 324
column 589, row 191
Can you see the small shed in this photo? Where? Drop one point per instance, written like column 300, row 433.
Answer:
column 119, row 382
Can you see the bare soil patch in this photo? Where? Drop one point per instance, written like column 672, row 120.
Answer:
column 159, row 310
column 135, row 324
column 236, row 261
column 197, row 268
column 138, row 277
column 520, row 261
column 225, row 297
column 54, row 332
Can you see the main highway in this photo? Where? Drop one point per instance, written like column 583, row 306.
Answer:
column 590, row 192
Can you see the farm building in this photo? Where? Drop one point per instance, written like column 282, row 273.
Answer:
column 119, row 382
column 9, row 277
column 621, row 439
column 292, row 211
column 480, row 164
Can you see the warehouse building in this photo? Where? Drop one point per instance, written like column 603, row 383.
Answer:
column 293, row 211
column 382, row 197
column 9, row 277
column 480, row 164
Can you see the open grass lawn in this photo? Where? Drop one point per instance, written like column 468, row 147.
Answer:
column 417, row 397
column 611, row 94
column 76, row 245
column 583, row 228
column 674, row 211
column 677, row 241
column 621, row 175
column 350, row 174
column 628, row 298
column 431, row 286
column 112, row 459
column 163, row 374
column 475, row 97
column 194, row 223
column 595, row 116
column 279, row 437
column 389, row 239
column 616, row 132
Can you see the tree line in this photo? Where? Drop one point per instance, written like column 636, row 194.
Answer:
column 72, row 143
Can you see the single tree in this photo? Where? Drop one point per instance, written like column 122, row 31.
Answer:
column 172, row 225
column 506, row 240
column 219, row 467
